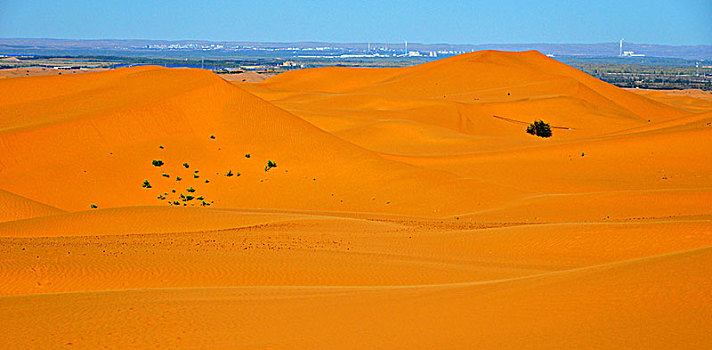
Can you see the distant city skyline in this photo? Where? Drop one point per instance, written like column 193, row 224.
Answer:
column 456, row 22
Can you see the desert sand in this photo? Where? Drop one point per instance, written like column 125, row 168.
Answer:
column 38, row 71
column 248, row 76
column 408, row 209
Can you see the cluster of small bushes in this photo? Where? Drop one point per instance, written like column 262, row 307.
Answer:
column 539, row 128
column 186, row 198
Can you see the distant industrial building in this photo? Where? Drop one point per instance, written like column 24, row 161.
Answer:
column 632, row 54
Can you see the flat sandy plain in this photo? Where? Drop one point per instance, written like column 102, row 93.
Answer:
column 408, row 209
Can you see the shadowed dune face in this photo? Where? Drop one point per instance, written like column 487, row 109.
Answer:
column 408, row 208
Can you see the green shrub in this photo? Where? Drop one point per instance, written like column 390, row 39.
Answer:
column 195, row 176
column 146, row 184
column 212, row 137
column 186, row 165
column 165, row 175
column 161, row 147
column 207, row 181
column 247, row 155
column 191, row 189
column 156, row 162
column 539, row 128
column 229, row 173
column 189, row 198
column 93, row 206
column 178, row 178
column 270, row 165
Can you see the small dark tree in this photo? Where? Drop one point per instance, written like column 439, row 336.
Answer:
column 191, row 189
column 539, row 128
column 229, row 173
column 93, row 206
column 157, row 162
column 146, row 184
column 270, row 165
column 247, row 155
column 186, row 165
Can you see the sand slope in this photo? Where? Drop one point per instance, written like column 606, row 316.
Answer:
column 614, row 153
column 655, row 302
column 464, row 92
column 408, row 209
column 109, row 142
column 14, row 207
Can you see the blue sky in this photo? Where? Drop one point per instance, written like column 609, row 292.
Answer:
column 682, row 22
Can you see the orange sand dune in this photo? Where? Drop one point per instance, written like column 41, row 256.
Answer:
column 108, row 145
column 694, row 100
column 254, row 249
column 14, row 207
column 408, row 209
column 655, row 302
column 249, row 77
column 522, row 86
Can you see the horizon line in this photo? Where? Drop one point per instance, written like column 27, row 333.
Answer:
column 349, row 42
